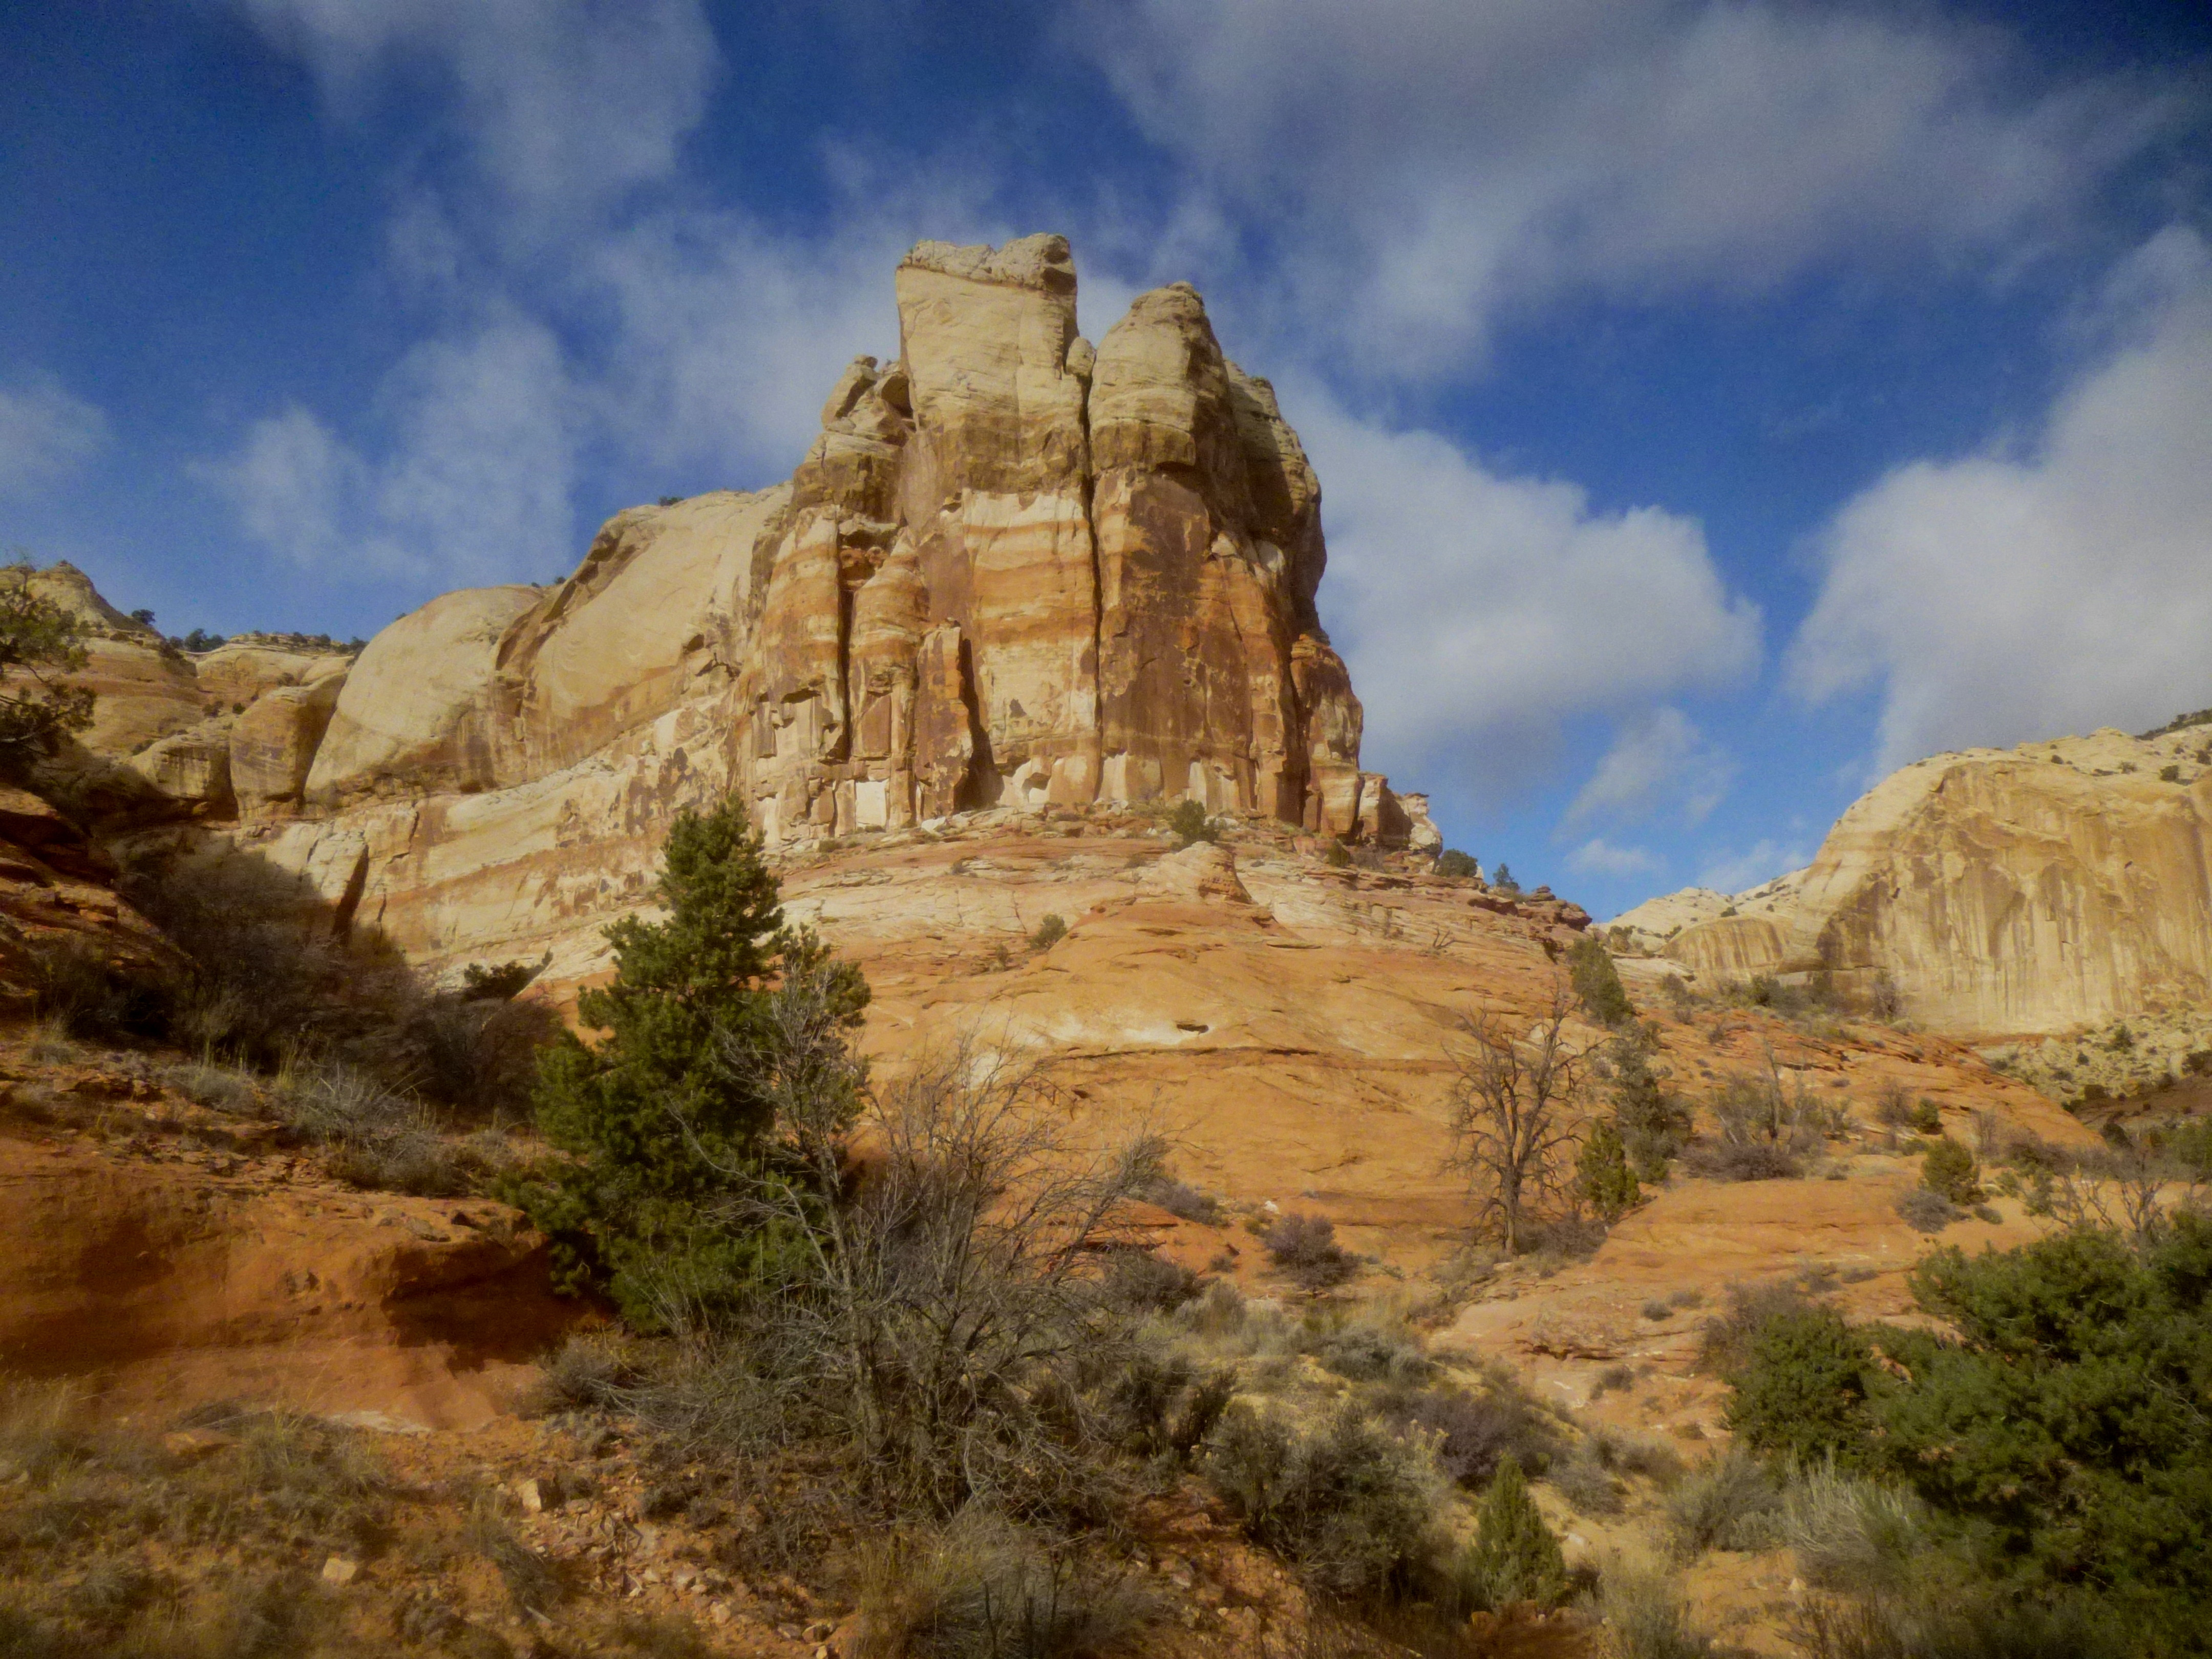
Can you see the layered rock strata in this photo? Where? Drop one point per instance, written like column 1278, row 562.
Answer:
column 1012, row 572
column 1998, row 891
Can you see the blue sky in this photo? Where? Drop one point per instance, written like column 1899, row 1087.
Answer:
column 1716, row 404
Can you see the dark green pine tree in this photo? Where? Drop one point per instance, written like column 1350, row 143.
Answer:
column 1514, row 1557
column 663, row 1120
column 1603, row 1174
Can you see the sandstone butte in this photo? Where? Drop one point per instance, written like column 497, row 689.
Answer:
column 1019, row 593
column 2001, row 892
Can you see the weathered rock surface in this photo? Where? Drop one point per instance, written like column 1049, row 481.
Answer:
column 1013, row 572
column 1999, row 891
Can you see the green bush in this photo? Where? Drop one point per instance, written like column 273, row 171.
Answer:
column 1800, row 1386
column 1603, row 1178
column 665, row 1116
column 1049, row 933
column 1926, row 1118
column 1949, row 1170
column 1351, row 1504
column 1514, row 1557
column 2057, row 1439
column 1502, row 879
column 1191, row 825
column 1453, row 862
column 1653, row 1124
column 1597, row 982
column 1335, row 855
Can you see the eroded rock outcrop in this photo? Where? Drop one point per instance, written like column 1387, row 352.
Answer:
column 1014, row 572
column 1998, row 891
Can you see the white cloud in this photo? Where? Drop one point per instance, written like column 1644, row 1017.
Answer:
column 45, row 435
column 2004, row 596
column 1478, row 611
column 1658, row 757
column 473, row 487
column 563, row 101
column 294, row 485
column 1428, row 163
column 1739, row 872
column 1600, row 857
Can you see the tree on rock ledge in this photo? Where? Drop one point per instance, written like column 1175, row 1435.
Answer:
column 665, row 1118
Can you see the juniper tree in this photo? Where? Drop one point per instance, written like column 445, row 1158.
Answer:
column 662, row 1117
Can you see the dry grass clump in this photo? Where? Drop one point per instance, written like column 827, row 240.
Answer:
column 1848, row 1532
column 1730, row 1503
column 1644, row 1616
column 982, row 1589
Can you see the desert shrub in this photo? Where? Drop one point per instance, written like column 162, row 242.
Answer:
column 1848, row 1532
column 1645, row 1616
column 1472, row 1434
column 1049, row 933
column 1190, row 824
column 532, row 1583
column 1652, row 1122
column 1927, row 1117
column 1453, row 862
column 375, row 1138
column 1767, row 1129
column 1304, row 1247
column 983, row 1588
column 1514, row 1557
column 1798, row 1383
column 1335, row 855
column 272, row 979
column 665, row 1120
column 1180, row 1199
column 1597, row 982
column 1926, row 1210
column 1730, row 1503
column 502, row 983
column 1351, row 1504
column 2047, row 1437
column 79, row 989
column 1502, row 879
column 1374, row 1351
column 1959, row 1619
column 1587, row 1484
column 41, row 645
column 590, row 1370
column 1724, row 1343
column 1142, row 1281
column 1603, row 1178
column 1949, row 1170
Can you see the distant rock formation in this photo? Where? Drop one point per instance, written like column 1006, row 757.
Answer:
column 1012, row 572
column 1998, row 891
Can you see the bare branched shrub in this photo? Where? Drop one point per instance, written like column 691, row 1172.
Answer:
column 1305, row 1247
column 940, row 1305
column 1513, row 1112
column 1768, row 1128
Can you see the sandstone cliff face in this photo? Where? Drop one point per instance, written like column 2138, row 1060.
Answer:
column 179, row 732
column 2056, row 884
column 1013, row 573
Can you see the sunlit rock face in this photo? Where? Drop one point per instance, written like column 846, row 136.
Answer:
column 1013, row 572
column 1997, row 891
